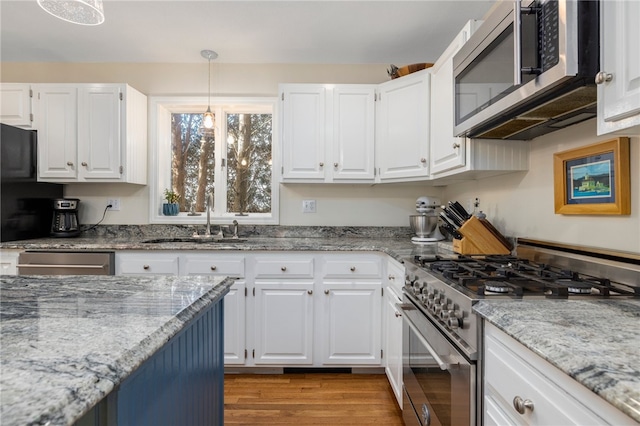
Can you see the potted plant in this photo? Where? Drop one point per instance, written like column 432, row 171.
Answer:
column 171, row 207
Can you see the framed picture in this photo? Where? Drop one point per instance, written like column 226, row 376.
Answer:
column 593, row 179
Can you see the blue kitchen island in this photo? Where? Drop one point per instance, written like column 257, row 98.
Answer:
column 115, row 350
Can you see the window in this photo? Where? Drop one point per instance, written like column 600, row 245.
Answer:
column 233, row 161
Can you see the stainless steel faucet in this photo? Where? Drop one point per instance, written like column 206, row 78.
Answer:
column 207, row 233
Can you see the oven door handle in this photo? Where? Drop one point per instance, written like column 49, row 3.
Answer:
column 404, row 307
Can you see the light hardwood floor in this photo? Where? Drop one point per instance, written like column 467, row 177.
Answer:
column 310, row 398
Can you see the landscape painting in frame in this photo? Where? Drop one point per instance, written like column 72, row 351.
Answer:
column 593, row 179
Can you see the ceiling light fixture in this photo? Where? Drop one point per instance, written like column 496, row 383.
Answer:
column 208, row 119
column 83, row 12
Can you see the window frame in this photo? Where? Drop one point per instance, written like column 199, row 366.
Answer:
column 160, row 110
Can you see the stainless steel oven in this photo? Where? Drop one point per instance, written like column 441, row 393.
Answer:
column 528, row 70
column 439, row 382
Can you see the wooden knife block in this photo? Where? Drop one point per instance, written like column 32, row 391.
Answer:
column 477, row 239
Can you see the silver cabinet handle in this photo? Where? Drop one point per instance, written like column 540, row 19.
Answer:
column 84, row 163
column 521, row 405
column 352, row 269
column 309, row 291
column 456, row 145
column 283, row 268
column 603, row 77
column 321, row 164
column 398, row 314
column 326, row 292
column 391, row 278
column 145, row 267
column 70, row 163
column 213, row 268
column 335, row 164
column 423, row 160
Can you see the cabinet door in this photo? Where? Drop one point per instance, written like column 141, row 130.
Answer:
column 392, row 324
column 402, row 125
column 15, row 104
column 99, row 132
column 619, row 98
column 351, row 323
column 303, row 131
column 447, row 151
column 353, row 132
column 234, row 324
column 283, row 323
column 56, row 118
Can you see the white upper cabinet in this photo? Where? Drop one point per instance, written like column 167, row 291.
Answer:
column 15, row 104
column 447, row 151
column 328, row 132
column 353, row 132
column 91, row 133
column 453, row 159
column 619, row 79
column 402, row 128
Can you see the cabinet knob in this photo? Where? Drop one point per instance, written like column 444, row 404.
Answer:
column 213, row 268
column 398, row 314
column 391, row 278
column 352, row 269
column 145, row 267
column 309, row 291
column 283, row 268
column 70, row 163
column 423, row 160
column 84, row 163
column 521, row 405
column 456, row 145
column 603, row 77
column 335, row 164
column 321, row 164
column 326, row 292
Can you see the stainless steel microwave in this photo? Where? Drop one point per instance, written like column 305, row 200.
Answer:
column 528, row 70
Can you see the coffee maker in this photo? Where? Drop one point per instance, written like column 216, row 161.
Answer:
column 65, row 218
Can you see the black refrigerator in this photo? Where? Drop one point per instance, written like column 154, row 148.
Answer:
column 27, row 205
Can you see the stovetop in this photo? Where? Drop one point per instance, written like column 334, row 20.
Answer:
column 495, row 276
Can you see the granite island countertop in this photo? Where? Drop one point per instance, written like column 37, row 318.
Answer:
column 67, row 341
column 596, row 342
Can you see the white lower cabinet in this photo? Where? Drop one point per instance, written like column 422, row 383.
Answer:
column 146, row 263
column 235, row 351
column 393, row 342
column 515, row 377
column 283, row 322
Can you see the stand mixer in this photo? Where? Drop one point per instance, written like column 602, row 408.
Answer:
column 425, row 224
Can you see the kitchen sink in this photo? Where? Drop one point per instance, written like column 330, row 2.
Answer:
column 197, row 240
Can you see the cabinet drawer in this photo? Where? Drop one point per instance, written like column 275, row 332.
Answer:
column 284, row 267
column 508, row 375
column 352, row 267
column 212, row 264
column 151, row 263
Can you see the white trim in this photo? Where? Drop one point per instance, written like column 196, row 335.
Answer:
column 160, row 109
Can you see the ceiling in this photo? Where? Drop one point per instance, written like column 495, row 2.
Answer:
column 329, row 32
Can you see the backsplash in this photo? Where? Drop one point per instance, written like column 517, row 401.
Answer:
column 271, row 231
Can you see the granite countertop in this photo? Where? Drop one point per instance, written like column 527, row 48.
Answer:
column 397, row 248
column 594, row 341
column 67, row 341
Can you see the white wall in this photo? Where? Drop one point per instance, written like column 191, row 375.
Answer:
column 337, row 205
column 522, row 204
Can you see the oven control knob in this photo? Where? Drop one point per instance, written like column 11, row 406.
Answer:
column 437, row 309
column 454, row 322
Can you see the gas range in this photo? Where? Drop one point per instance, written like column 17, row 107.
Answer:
column 445, row 287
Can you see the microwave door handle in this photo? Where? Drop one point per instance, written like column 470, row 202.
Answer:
column 443, row 365
column 517, row 43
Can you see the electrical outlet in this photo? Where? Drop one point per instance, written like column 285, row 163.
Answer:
column 115, row 204
column 308, row 206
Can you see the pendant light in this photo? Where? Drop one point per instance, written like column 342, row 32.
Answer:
column 83, row 12
column 208, row 119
